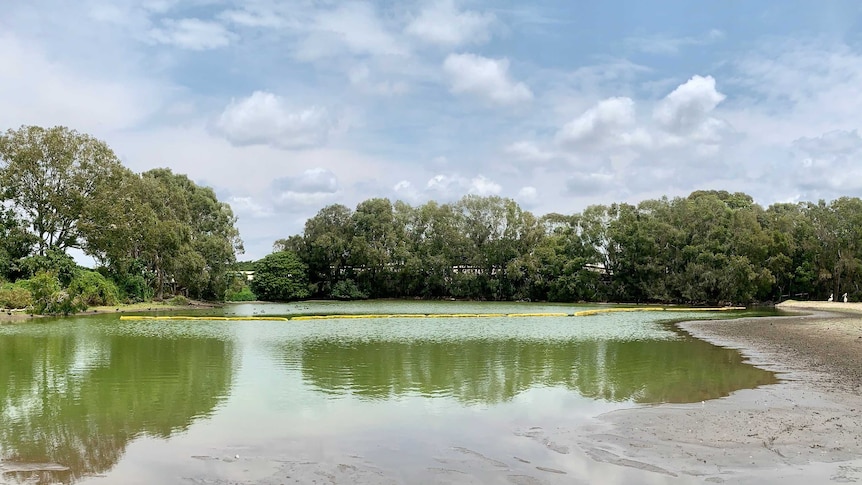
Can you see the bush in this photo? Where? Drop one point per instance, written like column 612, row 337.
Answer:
column 15, row 297
column 347, row 290
column 242, row 294
column 94, row 289
column 178, row 300
column 62, row 302
column 43, row 286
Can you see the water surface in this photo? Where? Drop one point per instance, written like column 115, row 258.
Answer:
column 396, row 400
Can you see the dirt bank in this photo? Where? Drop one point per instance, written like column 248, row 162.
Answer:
column 806, row 429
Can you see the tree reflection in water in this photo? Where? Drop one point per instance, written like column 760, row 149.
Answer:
column 495, row 371
column 78, row 400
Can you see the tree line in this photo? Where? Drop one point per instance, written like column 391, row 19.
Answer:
column 710, row 247
column 152, row 235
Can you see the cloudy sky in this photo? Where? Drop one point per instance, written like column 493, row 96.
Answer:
column 285, row 106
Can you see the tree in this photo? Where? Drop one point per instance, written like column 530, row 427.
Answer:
column 280, row 276
column 49, row 174
column 15, row 243
column 328, row 240
column 164, row 228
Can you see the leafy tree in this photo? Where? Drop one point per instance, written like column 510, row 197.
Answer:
column 49, row 174
column 15, row 243
column 280, row 276
column 326, row 247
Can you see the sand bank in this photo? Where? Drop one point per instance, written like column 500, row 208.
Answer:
column 806, row 429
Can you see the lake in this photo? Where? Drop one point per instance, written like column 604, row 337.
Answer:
column 384, row 400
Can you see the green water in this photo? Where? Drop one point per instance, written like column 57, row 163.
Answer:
column 170, row 401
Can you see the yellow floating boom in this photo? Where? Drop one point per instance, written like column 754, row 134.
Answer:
column 583, row 313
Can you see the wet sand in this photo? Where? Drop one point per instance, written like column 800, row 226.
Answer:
column 806, row 429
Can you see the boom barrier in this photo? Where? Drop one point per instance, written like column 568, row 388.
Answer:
column 583, row 313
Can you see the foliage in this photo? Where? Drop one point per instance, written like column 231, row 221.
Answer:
column 93, row 289
column 49, row 296
column 280, row 276
column 51, row 174
column 242, row 294
column 155, row 233
column 63, row 303
column 15, row 242
column 711, row 247
column 53, row 261
column 347, row 290
column 239, row 289
column 15, row 296
column 179, row 300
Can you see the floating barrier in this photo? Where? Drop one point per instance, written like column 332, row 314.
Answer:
column 583, row 313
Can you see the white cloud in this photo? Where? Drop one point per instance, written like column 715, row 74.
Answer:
column 689, row 106
column 838, row 143
column 483, row 186
column 45, row 91
column 481, row 76
column 443, row 24
column 266, row 119
column 446, row 184
column 361, row 77
column 450, row 186
column 352, row 28
column 583, row 184
column 253, row 17
column 608, row 123
column 193, row 34
column 669, row 45
column 405, row 190
column 528, row 152
column 313, row 180
column 829, row 163
column 528, row 195
column 243, row 206
column 312, row 187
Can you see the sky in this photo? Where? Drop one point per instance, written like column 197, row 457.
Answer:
column 284, row 107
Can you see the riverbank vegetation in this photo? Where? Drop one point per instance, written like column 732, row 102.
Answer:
column 712, row 247
column 158, row 234
column 153, row 235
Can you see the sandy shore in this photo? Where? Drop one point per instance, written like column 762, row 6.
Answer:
column 806, row 429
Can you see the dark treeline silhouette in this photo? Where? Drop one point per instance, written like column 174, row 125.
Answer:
column 708, row 248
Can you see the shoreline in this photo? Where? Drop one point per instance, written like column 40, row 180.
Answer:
column 805, row 429
column 8, row 316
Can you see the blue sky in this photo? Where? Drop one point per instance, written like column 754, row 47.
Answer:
column 284, row 107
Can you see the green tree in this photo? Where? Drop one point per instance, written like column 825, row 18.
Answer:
column 15, row 243
column 326, row 247
column 280, row 276
column 49, row 174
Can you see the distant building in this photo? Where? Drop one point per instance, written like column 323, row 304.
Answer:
column 247, row 275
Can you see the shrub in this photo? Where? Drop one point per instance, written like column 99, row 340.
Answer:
column 242, row 294
column 43, row 286
column 178, row 300
column 94, row 289
column 15, row 296
column 347, row 290
column 135, row 288
column 64, row 303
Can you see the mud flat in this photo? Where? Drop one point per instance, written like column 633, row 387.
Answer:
column 806, row 429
